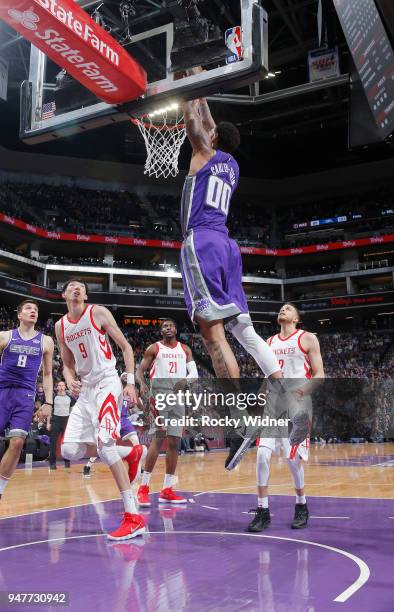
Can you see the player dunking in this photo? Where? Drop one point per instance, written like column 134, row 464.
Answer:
column 22, row 350
column 299, row 355
column 167, row 362
column 211, row 263
column 93, row 425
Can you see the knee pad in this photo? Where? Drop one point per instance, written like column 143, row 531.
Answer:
column 243, row 330
column 297, row 471
column 73, row 451
column 263, row 466
column 108, row 452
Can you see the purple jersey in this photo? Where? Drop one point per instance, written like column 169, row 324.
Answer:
column 21, row 361
column 207, row 194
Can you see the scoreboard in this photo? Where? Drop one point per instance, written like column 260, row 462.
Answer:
column 373, row 57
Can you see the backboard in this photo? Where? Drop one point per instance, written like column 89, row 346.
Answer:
column 228, row 38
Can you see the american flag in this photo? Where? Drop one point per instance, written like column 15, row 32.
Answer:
column 48, row 110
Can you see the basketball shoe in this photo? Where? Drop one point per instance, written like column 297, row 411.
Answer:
column 134, row 460
column 86, row 471
column 168, row 496
column 301, row 515
column 132, row 525
column 143, row 496
column 261, row 521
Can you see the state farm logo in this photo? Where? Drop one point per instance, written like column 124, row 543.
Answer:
column 28, row 19
column 59, row 45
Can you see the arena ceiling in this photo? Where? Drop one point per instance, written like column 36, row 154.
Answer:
column 282, row 135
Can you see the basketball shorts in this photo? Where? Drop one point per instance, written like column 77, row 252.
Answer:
column 16, row 411
column 289, row 407
column 168, row 421
column 96, row 414
column 211, row 267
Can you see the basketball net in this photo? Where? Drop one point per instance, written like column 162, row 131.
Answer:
column 164, row 135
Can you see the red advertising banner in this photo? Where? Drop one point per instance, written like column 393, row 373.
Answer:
column 68, row 35
column 173, row 244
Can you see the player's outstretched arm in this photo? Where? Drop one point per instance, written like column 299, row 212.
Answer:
column 47, row 377
column 195, row 131
column 104, row 319
column 311, row 347
column 208, row 121
column 70, row 376
column 145, row 365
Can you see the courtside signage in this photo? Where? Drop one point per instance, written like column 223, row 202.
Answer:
column 67, row 34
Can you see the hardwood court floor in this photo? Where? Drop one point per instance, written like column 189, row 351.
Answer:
column 346, row 470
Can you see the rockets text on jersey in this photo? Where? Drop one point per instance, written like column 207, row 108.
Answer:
column 292, row 357
column 90, row 346
column 170, row 362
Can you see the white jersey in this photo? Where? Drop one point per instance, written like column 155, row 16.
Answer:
column 170, row 362
column 293, row 359
column 90, row 346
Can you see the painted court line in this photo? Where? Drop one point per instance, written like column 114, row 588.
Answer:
column 341, row 598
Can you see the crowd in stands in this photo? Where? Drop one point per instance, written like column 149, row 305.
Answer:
column 74, row 209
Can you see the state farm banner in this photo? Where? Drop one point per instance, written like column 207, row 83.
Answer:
column 3, row 78
column 323, row 64
column 174, row 244
column 68, row 35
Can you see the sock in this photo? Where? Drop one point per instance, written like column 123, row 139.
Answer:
column 168, row 479
column 124, row 451
column 129, row 503
column 262, row 502
column 91, row 461
column 3, row 483
column 300, row 499
column 146, row 478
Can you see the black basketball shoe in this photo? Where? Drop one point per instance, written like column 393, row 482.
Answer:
column 301, row 515
column 261, row 521
column 86, row 471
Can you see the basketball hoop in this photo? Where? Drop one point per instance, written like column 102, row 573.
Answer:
column 164, row 133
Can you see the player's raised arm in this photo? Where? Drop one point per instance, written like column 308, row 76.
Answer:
column 311, row 346
column 104, row 318
column 208, row 121
column 47, row 377
column 145, row 365
column 69, row 373
column 196, row 133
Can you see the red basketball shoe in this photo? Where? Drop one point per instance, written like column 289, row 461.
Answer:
column 131, row 526
column 169, row 496
column 134, row 460
column 143, row 496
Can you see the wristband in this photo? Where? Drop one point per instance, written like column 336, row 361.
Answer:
column 130, row 379
column 48, row 404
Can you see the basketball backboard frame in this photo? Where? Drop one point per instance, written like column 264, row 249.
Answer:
column 253, row 67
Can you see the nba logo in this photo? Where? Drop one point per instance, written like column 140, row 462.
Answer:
column 233, row 37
